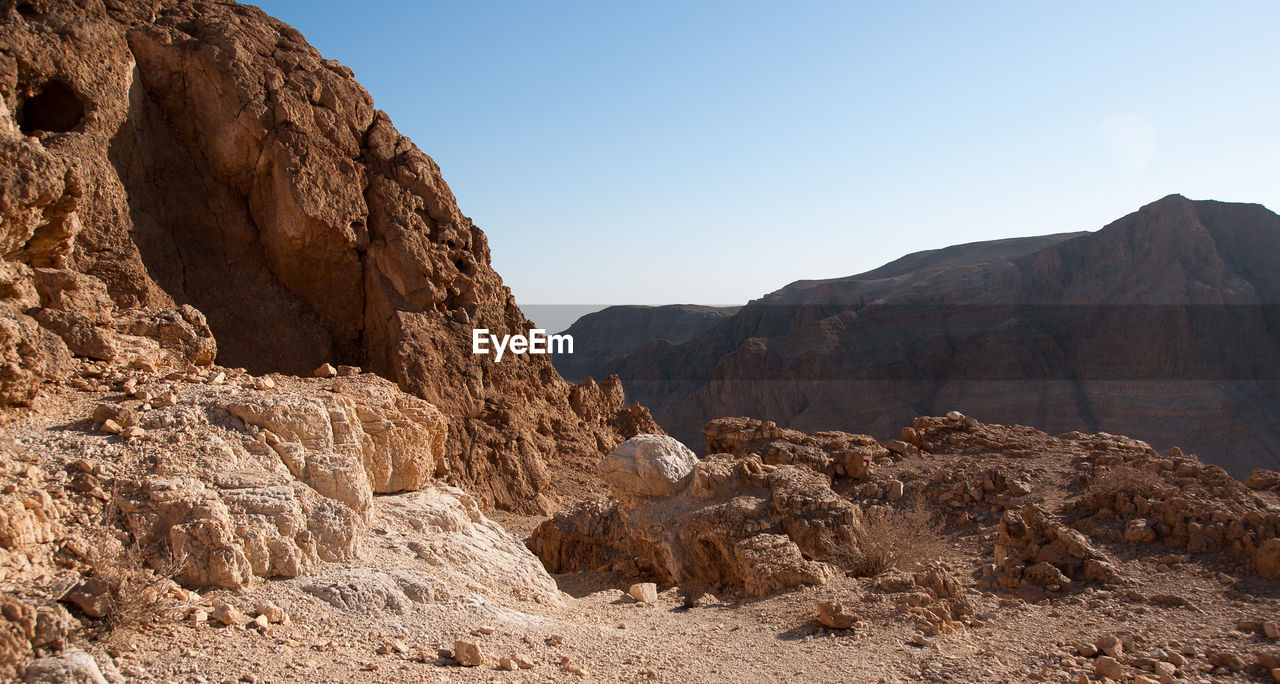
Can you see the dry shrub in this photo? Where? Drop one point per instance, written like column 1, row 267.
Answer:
column 138, row 580
column 1123, row 481
column 894, row 538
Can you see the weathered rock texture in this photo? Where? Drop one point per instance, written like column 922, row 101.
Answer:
column 833, row 453
column 192, row 171
column 1162, row 325
column 224, row 479
column 725, row 524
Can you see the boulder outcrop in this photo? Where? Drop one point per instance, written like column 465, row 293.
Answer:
column 726, row 524
column 176, row 173
column 837, row 454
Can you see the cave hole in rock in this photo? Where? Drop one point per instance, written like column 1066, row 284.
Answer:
column 28, row 10
column 54, row 109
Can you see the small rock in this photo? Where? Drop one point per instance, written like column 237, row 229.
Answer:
column 835, row 615
column 111, row 427
column 259, row 623
column 1163, row 668
column 93, row 596
column 467, row 653
column 645, row 592
column 218, row 379
column 894, row 490
column 168, row 399
column 199, row 616
column 523, row 662
column 482, row 630
column 264, row 383
column 1271, row 629
column 507, row 664
column 1087, row 650
column 274, row 614
column 228, row 614
column 325, row 371
column 1111, row 646
column 555, row 640
column 1107, row 666
column 571, row 666
column 133, row 432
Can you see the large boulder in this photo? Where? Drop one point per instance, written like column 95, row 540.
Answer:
column 648, row 466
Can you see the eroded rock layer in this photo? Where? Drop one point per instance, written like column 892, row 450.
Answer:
column 204, row 160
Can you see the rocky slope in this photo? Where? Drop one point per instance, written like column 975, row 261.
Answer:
column 219, row 525
column 619, row 330
column 1163, row 323
column 202, row 159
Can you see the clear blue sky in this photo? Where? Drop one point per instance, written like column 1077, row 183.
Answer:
column 713, row 151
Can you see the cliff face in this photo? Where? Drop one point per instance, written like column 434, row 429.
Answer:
column 620, row 330
column 204, row 155
column 1163, row 324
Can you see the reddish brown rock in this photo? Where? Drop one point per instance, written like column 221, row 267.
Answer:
column 205, row 162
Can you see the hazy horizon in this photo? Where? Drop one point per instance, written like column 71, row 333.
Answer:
column 712, row 153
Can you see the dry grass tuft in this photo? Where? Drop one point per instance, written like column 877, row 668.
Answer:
column 138, row 580
column 895, row 539
column 1123, row 481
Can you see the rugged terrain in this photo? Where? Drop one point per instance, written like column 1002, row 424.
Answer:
column 1037, row 558
column 242, row 438
column 1163, row 324
column 204, row 155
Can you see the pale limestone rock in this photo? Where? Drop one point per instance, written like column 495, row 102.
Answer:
column 396, row 439
column 463, row 547
column 648, row 466
column 645, row 592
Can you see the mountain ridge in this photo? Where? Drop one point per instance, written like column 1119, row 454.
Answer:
column 1063, row 320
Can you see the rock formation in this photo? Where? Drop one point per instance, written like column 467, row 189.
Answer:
column 617, row 331
column 724, row 524
column 221, row 479
column 174, row 173
column 1160, row 324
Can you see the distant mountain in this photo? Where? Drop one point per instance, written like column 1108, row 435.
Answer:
column 1164, row 325
column 609, row 333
